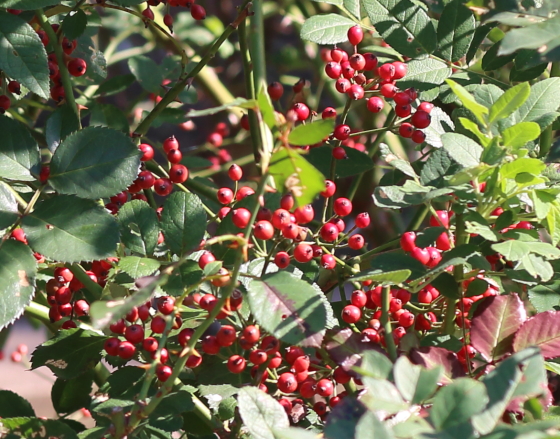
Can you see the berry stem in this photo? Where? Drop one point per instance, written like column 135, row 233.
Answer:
column 386, row 322
column 64, row 75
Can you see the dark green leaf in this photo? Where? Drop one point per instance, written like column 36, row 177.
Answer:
column 70, row 395
column 356, row 163
column 424, row 74
column 12, row 405
column 462, row 149
column 70, row 229
column 19, row 153
column 493, row 61
column 457, row 402
column 479, row 36
column 69, row 353
column 183, row 222
column 183, row 277
column 292, row 172
column 107, row 115
column 27, row 5
column 261, row 413
column 147, row 72
column 18, row 269
column 94, row 162
column 61, row 123
column 35, row 427
column 311, row 133
column 139, row 227
column 342, row 422
column 288, row 308
column 383, row 277
column 518, row 74
column 115, row 85
column 137, row 267
column 404, row 25
column 396, row 262
column 455, row 30
column 23, row 56
column 8, row 207
column 438, row 165
column 74, row 24
column 167, row 415
column 326, row 29
column 124, row 383
column 96, row 63
column 396, row 162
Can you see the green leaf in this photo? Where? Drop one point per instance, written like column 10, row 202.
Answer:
column 414, row 382
column 356, row 163
column 19, row 153
column 473, row 128
column 8, row 207
column 23, row 56
column 183, row 222
column 520, row 134
column 289, row 308
column 463, row 150
column 261, row 413
column 237, row 102
column 35, row 427
column 61, row 123
column 369, row 426
column 438, row 165
column 18, row 269
column 512, row 249
column 455, row 30
column 457, row 402
column 396, row 162
column 510, row 101
column 70, row 395
column 295, row 174
column 545, row 297
column 326, row 29
column 535, row 36
column 115, row 85
column 139, row 227
column 522, row 165
column 266, row 108
column 96, row 63
column 440, row 124
column 382, row 395
column 12, row 405
column 552, row 222
column 94, row 162
column 137, row 267
column 74, row 24
column 294, row 432
column 404, row 25
column 69, row 353
column 109, row 116
column 492, row 59
column 66, row 228
column 183, row 277
column 311, row 133
column 26, row 5
column 543, row 101
column 167, row 415
column 383, row 277
column 536, row 266
column 468, row 101
column 424, row 74
column 353, row 6
column 147, row 73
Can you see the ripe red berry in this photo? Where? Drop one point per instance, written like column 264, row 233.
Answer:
column 342, row 206
column 339, row 55
column 328, row 113
column 281, row 218
column 205, row 259
column 386, row 71
column 252, row 334
column 362, row 220
column 303, row 253
column 126, row 350
column 325, row 387
column 328, row 262
column 111, row 346
column 333, row 70
column 178, row 173
column 241, row 217
column 81, row 308
column 347, row 71
column 302, row 111
column 355, row 35
column 388, row 90
column 282, row 259
column 168, row 21
column 147, row 152
column 420, row 254
column 4, row 103
column 134, row 334
column 351, row 314
column 15, row 88
column 158, row 324
column 287, row 382
column 174, row 156
column 402, row 98
column 418, row 136
column 406, row 130
column 198, row 12
column 421, row 119
column 426, row 106
column 355, row 92
column 359, row 298
column 375, row 104
column 329, row 232
column 225, row 195
column 150, row 344
column 403, row 110
column 290, row 231
column 163, row 372
column 400, row 69
column 342, row 85
column 357, row 61
column 275, row 91
column 170, row 143
column 263, row 230
column 304, row 214
column 443, row 216
column 165, row 304
column 77, row 67
column 287, row 202
column 236, row 364
column 243, row 191
column 356, row 242
column 258, row 357
column 163, row 186
column 235, row 172
column 339, row 153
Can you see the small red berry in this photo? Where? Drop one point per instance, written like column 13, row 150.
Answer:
column 418, row 136
column 198, row 12
column 235, row 172
column 77, row 67
column 351, row 314
column 147, row 152
column 375, row 104
column 236, row 364
column 355, row 35
column 303, row 253
column 178, row 173
column 282, row 259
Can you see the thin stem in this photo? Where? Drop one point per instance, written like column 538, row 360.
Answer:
column 64, row 75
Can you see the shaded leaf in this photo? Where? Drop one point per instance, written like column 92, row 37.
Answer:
column 455, row 30
column 35, row 427
column 139, row 227
column 8, row 207
column 12, row 405
column 432, row 356
column 137, row 267
column 346, row 347
column 356, row 163
column 342, row 421
column 19, row 153
column 61, row 123
column 147, row 73
column 70, row 395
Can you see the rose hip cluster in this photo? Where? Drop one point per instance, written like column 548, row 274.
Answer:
column 350, row 70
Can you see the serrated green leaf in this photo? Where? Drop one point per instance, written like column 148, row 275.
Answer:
column 404, row 25
column 137, row 267
column 147, row 73
column 109, row 116
column 468, row 101
column 326, row 29
column 463, row 150
column 70, row 229
column 520, row 134
column 74, row 24
column 425, row 74
column 289, row 308
column 543, row 100
column 69, row 353
column 70, row 395
column 139, row 227
column 115, row 85
column 183, row 222
column 18, row 269
column 261, row 413
column 438, row 165
column 8, row 207
column 61, row 123
column 510, row 101
column 185, row 276
column 492, row 60
column 94, row 162
column 12, row 405
column 396, row 162
column 292, row 172
column 35, row 427
column 455, row 30
column 311, row 133
column 19, row 153
column 23, row 56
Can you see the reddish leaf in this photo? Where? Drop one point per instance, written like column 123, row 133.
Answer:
column 541, row 330
column 431, row 356
column 346, row 347
column 495, row 323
